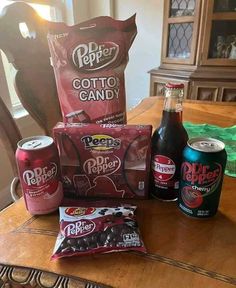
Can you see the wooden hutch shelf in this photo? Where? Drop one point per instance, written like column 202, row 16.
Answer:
column 198, row 49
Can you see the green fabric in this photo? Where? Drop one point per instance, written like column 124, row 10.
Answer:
column 226, row 135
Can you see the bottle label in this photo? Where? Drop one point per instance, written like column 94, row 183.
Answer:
column 163, row 171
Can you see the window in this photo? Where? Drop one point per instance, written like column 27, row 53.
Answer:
column 52, row 11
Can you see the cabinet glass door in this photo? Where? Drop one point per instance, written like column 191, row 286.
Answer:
column 219, row 47
column 180, row 28
column 180, row 40
column 182, row 8
column 224, row 6
column 223, row 40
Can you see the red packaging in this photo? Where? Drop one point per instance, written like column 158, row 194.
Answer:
column 89, row 230
column 39, row 172
column 104, row 160
column 89, row 61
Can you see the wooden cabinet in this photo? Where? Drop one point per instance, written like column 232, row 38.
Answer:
column 198, row 49
column 181, row 22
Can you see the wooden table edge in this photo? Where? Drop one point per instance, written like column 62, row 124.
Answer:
column 41, row 278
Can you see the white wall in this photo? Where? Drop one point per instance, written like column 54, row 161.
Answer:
column 145, row 52
column 100, row 8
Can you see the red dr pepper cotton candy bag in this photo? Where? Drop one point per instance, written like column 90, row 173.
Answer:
column 89, row 61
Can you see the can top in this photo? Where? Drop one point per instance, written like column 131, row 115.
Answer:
column 35, row 142
column 209, row 145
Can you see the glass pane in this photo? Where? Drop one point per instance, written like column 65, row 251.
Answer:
column 208, row 94
column 182, row 8
column 223, row 40
column 224, row 6
column 229, row 95
column 180, row 39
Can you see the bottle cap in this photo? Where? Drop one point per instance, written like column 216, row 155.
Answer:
column 175, row 85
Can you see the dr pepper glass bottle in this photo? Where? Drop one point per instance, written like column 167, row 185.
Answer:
column 168, row 142
column 39, row 172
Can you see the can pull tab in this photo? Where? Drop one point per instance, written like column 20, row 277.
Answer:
column 207, row 144
column 33, row 144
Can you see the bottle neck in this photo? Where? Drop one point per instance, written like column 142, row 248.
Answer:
column 173, row 104
column 173, row 108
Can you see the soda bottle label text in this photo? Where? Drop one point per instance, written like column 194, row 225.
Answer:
column 163, row 168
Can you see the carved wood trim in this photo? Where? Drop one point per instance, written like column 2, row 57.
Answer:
column 24, row 277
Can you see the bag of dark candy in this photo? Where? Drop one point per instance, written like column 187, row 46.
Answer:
column 89, row 230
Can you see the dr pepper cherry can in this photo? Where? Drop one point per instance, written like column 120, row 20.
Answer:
column 39, row 172
column 202, row 171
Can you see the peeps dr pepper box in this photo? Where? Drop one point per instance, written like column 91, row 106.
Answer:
column 104, row 160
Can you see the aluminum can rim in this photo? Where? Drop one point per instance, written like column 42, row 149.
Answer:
column 42, row 143
column 207, row 145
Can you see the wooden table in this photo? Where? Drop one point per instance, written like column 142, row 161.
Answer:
column 182, row 252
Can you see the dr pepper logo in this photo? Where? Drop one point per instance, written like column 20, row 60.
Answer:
column 40, row 175
column 78, row 228
column 93, row 56
column 200, row 174
column 102, row 165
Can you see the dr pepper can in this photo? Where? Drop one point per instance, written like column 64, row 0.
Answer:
column 202, row 171
column 39, row 172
